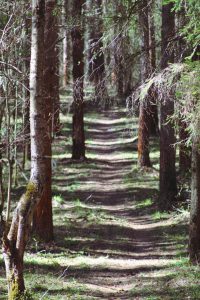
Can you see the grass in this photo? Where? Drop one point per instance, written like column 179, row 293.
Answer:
column 145, row 203
column 58, row 199
column 110, row 243
column 178, row 281
column 158, row 215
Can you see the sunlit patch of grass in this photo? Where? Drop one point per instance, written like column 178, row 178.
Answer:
column 142, row 178
column 145, row 203
column 158, row 215
column 58, row 199
column 89, row 214
column 55, row 286
column 178, row 281
column 181, row 262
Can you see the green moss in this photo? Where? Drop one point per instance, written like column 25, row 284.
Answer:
column 31, row 189
column 16, row 294
column 25, row 202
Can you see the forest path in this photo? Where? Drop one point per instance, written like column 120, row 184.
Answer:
column 115, row 248
column 110, row 241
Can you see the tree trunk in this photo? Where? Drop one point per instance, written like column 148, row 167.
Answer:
column 2, row 195
column 26, row 97
column 153, row 109
column 181, row 50
column 15, row 239
column 122, row 71
column 144, row 117
column 194, row 234
column 78, row 136
column 96, row 55
column 26, row 127
column 168, row 186
column 184, row 152
column 65, row 47
column 43, row 221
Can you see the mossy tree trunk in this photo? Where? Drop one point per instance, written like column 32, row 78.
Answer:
column 15, row 238
column 77, row 33
column 168, row 185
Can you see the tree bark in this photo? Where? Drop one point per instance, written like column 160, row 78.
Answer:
column 26, row 97
column 168, row 185
column 184, row 151
column 15, row 238
column 96, row 55
column 77, row 33
column 144, row 117
column 181, row 50
column 194, row 232
column 153, row 108
column 2, row 195
column 43, row 221
column 122, row 71
column 64, row 48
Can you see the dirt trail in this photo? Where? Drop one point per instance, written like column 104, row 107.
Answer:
column 109, row 244
column 121, row 248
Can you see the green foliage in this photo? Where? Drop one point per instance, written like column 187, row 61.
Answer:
column 191, row 9
column 157, row 216
column 192, row 28
column 15, row 294
column 59, row 199
column 188, row 95
column 145, row 203
column 91, row 215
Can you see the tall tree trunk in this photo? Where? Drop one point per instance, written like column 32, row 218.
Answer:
column 2, row 195
column 144, row 117
column 194, row 234
column 168, row 186
column 153, row 109
column 52, row 63
column 26, row 127
column 96, row 55
column 181, row 49
column 122, row 71
column 77, row 33
column 15, row 239
column 66, row 45
column 26, row 97
column 43, row 222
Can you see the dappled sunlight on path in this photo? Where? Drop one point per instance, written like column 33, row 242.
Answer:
column 110, row 229
column 111, row 243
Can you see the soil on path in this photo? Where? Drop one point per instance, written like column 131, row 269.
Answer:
column 111, row 243
column 123, row 251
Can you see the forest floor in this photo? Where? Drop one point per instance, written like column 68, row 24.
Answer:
column 111, row 242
